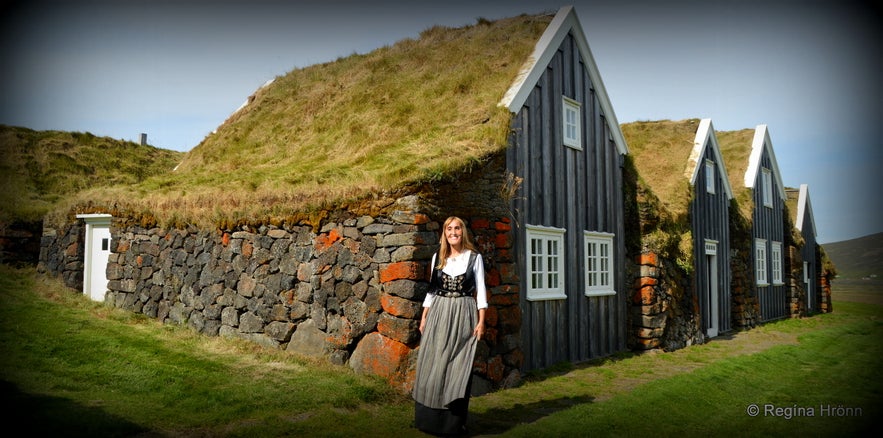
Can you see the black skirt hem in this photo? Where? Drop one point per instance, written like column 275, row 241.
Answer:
column 442, row 422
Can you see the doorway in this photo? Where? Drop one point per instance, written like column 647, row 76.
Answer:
column 96, row 255
column 713, row 291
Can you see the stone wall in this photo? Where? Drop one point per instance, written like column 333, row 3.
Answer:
column 663, row 312
column 746, row 306
column 62, row 254
column 795, row 288
column 351, row 292
column 825, row 306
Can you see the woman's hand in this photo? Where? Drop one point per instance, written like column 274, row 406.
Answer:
column 478, row 331
column 423, row 319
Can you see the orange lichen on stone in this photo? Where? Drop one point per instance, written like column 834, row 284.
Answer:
column 324, row 241
column 400, row 271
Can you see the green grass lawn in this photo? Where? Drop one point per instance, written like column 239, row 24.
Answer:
column 71, row 367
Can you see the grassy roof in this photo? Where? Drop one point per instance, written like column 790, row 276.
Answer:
column 39, row 169
column 792, row 197
column 736, row 151
column 345, row 130
column 661, row 151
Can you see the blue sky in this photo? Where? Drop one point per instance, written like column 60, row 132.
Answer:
column 176, row 69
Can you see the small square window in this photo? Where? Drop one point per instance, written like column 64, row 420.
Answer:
column 572, row 123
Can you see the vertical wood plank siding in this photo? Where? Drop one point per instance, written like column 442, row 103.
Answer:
column 810, row 252
column 769, row 225
column 709, row 217
column 578, row 190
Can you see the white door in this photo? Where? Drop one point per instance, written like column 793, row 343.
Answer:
column 713, row 298
column 97, row 253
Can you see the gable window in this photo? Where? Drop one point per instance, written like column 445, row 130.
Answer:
column 760, row 262
column 709, row 176
column 767, row 187
column 545, row 263
column 571, row 128
column 776, row 262
column 599, row 263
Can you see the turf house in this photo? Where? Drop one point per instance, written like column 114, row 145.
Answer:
column 307, row 220
column 809, row 279
column 686, row 296
column 754, row 173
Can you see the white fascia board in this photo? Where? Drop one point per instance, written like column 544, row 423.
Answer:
column 804, row 207
column 564, row 22
column 705, row 135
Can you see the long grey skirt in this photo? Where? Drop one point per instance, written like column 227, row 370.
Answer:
column 447, row 349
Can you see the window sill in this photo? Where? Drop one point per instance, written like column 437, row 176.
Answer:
column 600, row 293
column 546, row 296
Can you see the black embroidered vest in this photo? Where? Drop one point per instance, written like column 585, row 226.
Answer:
column 461, row 285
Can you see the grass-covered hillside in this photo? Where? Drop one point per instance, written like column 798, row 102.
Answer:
column 42, row 169
column 860, row 258
column 345, row 131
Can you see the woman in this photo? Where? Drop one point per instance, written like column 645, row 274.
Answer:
column 451, row 325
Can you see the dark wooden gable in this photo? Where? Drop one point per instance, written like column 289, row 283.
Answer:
column 574, row 189
column 810, row 254
column 709, row 222
column 768, row 221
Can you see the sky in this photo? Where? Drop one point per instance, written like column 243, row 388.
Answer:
column 175, row 70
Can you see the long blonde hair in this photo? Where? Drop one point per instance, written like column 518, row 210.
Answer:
column 445, row 248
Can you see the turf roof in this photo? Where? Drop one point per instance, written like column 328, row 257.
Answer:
column 346, row 130
column 736, row 150
column 661, row 151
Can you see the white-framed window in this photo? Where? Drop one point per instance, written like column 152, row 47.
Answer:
column 767, row 181
column 545, row 263
column 776, row 262
column 760, row 269
column 709, row 176
column 599, row 263
column 571, row 130
column 806, row 272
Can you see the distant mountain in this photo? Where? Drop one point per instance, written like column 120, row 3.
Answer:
column 857, row 258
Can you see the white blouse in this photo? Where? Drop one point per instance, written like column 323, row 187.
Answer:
column 457, row 266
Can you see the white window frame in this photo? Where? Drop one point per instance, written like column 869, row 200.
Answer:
column 760, row 262
column 806, row 272
column 539, row 273
column 709, row 176
column 776, row 263
column 571, row 130
column 767, row 183
column 599, row 273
